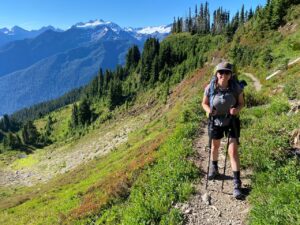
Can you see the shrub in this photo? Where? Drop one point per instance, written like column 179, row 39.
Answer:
column 255, row 99
column 292, row 89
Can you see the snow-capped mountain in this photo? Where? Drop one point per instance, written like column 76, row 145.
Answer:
column 52, row 63
column 92, row 23
column 159, row 32
column 152, row 30
column 18, row 33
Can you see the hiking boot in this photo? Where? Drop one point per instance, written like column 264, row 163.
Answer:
column 213, row 172
column 237, row 191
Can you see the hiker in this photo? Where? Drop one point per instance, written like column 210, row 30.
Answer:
column 223, row 100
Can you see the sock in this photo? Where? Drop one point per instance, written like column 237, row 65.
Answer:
column 236, row 175
column 215, row 164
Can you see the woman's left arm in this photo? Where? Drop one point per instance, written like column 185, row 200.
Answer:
column 241, row 102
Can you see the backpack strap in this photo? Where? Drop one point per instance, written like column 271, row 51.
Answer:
column 233, row 86
column 212, row 91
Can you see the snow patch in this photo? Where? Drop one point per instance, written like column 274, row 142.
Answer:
column 151, row 30
column 92, row 23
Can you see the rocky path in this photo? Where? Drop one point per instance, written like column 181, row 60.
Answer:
column 291, row 63
column 214, row 206
column 256, row 82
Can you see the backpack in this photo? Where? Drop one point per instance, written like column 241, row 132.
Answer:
column 234, row 83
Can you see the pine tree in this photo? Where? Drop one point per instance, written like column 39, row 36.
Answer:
column 75, row 116
column 206, row 18
column 154, row 70
column 132, row 58
column 49, row 126
column 179, row 25
column 12, row 141
column 250, row 15
column 100, row 83
column 151, row 49
column 201, row 21
column 242, row 16
column 174, row 30
column 84, row 112
column 30, row 134
column 106, row 80
column 5, row 123
column 190, row 21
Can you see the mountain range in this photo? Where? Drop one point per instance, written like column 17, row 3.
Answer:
column 17, row 33
column 51, row 62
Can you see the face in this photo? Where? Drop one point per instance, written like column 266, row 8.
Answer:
column 223, row 75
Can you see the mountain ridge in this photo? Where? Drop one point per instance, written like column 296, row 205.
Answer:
column 59, row 53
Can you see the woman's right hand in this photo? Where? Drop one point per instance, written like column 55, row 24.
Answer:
column 213, row 112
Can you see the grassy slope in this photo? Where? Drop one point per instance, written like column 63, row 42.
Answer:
column 267, row 148
column 95, row 185
column 266, row 138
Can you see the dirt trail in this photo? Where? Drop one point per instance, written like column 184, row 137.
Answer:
column 223, row 207
column 256, row 82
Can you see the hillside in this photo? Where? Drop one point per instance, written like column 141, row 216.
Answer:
column 130, row 151
column 52, row 63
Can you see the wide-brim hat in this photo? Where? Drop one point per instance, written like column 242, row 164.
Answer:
column 224, row 66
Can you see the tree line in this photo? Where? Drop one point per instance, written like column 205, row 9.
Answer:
column 200, row 22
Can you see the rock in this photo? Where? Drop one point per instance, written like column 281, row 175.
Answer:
column 188, row 211
column 184, row 207
column 206, row 198
column 296, row 138
column 22, row 156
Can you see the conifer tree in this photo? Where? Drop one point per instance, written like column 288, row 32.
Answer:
column 179, row 25
column 75, row 116
column 174, row 30
column 30, row 134
column 5, row 123
column 132, row 58
column 100, row 83
column 190, row 21
column 84, row 112
column 151, row 49
column 206, row 18
column 201, row 20
column 250, row 14
column 154, row 70
column 49, row 126
column 242, row 16
column 12, row 141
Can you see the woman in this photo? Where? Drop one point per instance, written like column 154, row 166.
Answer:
column 223, row 101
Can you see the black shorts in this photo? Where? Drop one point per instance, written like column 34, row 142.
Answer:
column 217, row 132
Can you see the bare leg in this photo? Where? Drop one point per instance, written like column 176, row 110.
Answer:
column 234, row 154
column 215, row 149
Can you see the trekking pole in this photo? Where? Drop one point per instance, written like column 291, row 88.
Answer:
column 226, row 153
column 209, row 152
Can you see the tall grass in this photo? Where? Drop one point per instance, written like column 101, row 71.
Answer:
column 165, row 182
column 275, row 197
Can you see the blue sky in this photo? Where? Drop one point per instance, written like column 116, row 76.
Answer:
column 33, row 14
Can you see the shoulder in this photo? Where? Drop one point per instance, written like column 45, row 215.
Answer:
column 236, row 88
column 208, row 88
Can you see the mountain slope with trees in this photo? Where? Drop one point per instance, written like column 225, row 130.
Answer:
column 139, row 181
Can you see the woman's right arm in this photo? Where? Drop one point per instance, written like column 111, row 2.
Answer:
column 205, row 104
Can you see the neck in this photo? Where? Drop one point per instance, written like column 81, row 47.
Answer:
column 223, row 84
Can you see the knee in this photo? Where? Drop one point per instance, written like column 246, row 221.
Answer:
column 233, row 142
column 215, row 145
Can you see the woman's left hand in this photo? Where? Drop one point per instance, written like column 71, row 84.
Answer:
column 234, row 111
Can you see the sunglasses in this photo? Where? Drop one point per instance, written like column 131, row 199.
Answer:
column 226, row 72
